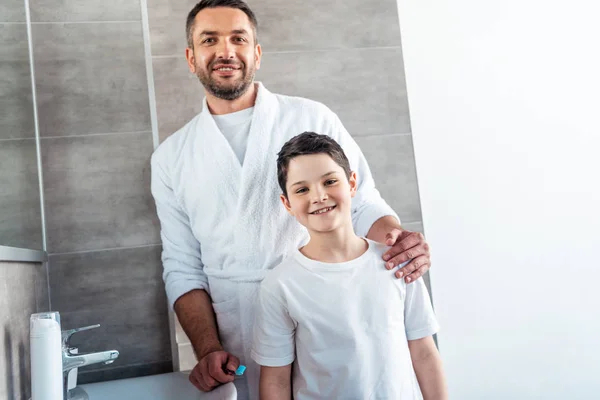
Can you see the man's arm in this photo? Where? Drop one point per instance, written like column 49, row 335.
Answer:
column 406, row 246
column 428, row 368
column 196, row 316
column 276, row 383
column 186, row 283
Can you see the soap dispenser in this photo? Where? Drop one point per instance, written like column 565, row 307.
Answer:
column 46, row 356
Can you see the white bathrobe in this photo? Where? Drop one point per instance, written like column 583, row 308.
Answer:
column 222, row 224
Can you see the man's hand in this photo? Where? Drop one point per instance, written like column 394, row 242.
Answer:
column 407, row 245
column 213, row 370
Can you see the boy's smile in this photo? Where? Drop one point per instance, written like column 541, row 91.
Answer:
column 321, row 211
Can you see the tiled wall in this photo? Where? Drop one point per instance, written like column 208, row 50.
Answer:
column 20, row 219
column 96, row 142
column 23, row 291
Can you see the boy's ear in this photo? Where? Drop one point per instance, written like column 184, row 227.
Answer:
column 353, row 183
column 286, row 204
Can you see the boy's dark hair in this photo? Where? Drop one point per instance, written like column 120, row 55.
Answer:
column 309, row 143
column 239, row 4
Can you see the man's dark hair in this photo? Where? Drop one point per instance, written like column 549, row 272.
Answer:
column 239, row 4
column 309, row 143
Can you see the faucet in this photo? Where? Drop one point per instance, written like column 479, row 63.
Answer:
column 72, row 360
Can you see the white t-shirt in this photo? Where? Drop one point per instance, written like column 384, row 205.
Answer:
column 344, row 326
column 236, row 129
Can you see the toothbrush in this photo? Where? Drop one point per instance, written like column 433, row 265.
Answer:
column 237, row 372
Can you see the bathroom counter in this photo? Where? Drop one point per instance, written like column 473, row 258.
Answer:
column 174, row 385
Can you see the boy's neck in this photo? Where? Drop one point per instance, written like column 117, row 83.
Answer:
column 337, row 246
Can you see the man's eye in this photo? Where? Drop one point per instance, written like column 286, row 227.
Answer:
column 239, row 39
column 208, row 40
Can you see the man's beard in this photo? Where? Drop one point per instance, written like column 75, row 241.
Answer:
column 230, row 90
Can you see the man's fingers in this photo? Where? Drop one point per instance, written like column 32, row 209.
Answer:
column 414, row 265
column 392, row 236
column 417, row 274
column 197, row 380
column 409, row 241
column 409, row 254
column 215, row 371
column 232, row 363
column 209, row 381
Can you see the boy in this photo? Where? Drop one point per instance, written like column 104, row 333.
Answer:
column 331, row 308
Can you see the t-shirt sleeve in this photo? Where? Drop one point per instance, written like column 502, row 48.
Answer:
column 419, row 318
column 273, row 338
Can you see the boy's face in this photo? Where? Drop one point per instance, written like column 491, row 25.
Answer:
column 319, row 194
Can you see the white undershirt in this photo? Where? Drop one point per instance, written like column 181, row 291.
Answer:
column 236, row 129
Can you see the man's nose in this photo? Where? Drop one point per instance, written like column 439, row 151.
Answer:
column 225, row 49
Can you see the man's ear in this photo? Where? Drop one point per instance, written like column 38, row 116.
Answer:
column 353, row 183
column 257, row 56
column 191, row 60
column 286, row 204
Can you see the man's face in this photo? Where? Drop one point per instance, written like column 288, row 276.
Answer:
column 225, row 56
column 319, row 193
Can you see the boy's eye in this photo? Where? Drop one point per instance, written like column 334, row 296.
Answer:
column 330, row 181
column 301, row 190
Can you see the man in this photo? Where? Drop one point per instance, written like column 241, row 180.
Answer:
column 215, row 186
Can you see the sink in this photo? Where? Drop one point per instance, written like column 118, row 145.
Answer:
column 174, row 385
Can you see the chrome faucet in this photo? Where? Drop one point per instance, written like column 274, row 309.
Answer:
column 72, row 360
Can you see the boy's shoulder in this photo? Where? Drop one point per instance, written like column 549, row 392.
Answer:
column 283, row 272
column 376, row 247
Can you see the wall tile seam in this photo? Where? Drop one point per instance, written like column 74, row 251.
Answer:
column 86, row 22
column 13, row 23
column 105, row 249
column 325, row 50
column 92, row 135
column 378, row 135
column 16, row 139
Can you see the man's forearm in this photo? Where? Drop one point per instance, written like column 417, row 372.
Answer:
column 197, row 318
column 382, row 227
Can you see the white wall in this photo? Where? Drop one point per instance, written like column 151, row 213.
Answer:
column 505, row 107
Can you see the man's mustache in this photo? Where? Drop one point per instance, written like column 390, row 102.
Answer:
column 233, row 63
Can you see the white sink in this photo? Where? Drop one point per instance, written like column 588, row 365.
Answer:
column 170, row 386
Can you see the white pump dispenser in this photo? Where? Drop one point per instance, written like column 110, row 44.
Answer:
column 46, row 356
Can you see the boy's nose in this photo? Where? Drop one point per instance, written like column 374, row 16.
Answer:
column 320, row 196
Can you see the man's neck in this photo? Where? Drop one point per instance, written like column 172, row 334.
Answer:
column 337, row 246
column 219, row 106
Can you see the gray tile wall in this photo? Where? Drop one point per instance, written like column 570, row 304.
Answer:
column 23, row 291
column 20, row 219
column 96, row 143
